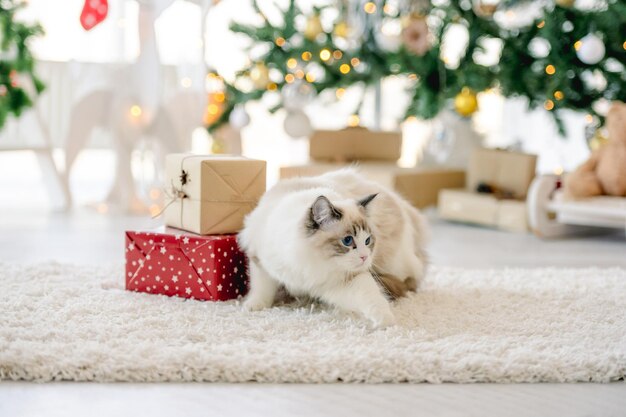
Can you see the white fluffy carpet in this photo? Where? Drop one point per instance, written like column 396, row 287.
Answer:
column 63, row 322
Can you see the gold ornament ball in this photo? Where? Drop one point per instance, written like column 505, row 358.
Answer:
column 260, row 76
column 313, row 27
column 341, row 30
column 214, row 108
column 466, row 103
column 566, row 4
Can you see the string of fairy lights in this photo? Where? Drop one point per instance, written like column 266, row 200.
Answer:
column 567, row 58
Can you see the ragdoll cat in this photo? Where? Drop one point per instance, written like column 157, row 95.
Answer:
column 337, row 237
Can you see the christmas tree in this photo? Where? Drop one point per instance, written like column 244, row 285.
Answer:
column 565, row 58
column 18, row 82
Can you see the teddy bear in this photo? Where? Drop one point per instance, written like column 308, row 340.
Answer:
column 604, row 173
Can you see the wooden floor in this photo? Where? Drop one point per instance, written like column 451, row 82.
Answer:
column 87, row 237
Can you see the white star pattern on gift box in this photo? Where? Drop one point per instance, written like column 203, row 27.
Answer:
column 190, row 273
column 186, row 240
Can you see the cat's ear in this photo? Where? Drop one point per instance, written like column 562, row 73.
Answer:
column 323, row 212
column 366, row 200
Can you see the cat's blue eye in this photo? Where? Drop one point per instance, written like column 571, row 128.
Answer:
column 368, row 240
column 347, row 241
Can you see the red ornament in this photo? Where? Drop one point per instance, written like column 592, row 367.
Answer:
column 177, row 263
column 13, row 78
column 94, row 12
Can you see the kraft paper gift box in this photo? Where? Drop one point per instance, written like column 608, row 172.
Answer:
column 176, row 263
column 512, row 216
column 211, row 194
column 484, row 209
column 504, row 170
column 355, row 144
column 420, row 186
column 380, row 172
column 467, row 206
column 511, row 171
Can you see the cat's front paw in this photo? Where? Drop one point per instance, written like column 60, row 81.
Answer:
column 254, row 304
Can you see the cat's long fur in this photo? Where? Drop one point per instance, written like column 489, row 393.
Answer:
column 294, row 238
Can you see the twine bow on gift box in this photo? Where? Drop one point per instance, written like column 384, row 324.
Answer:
column 178, row 193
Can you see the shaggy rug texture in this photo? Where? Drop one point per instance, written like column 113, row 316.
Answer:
column 64, row 322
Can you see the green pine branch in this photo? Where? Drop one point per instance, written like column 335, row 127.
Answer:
column 17, row 64
column 518, row 73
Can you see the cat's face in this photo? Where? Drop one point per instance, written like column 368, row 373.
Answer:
column 341, row 233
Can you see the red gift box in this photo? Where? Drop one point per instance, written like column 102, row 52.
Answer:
column 185, row 265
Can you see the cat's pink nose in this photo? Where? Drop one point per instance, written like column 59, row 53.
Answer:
column 363, row 258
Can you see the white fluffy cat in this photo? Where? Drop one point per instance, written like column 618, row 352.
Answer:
column 337, row 237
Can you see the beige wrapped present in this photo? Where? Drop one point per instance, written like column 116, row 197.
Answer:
column 212, row 194
column 503, row 170
column 355, row 144
column 485, row 209
column 382, row 173
column 512, row 171
column 420, row 186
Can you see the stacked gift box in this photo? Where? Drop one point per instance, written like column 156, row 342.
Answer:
column 490, row 192
column 376, row 154
column 197, row 255
column 495, row 191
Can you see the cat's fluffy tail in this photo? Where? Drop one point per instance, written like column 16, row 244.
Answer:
column 395, row 288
